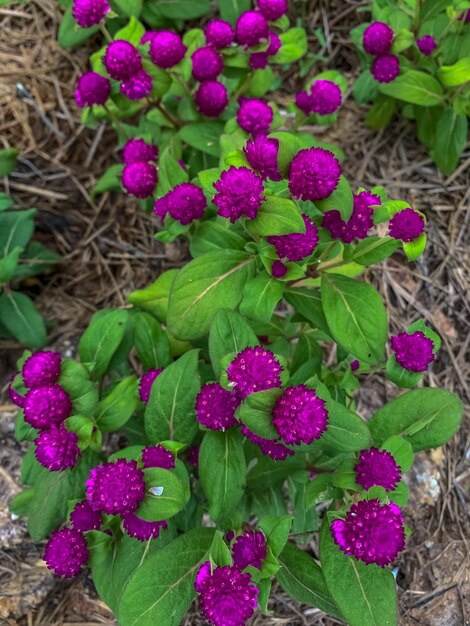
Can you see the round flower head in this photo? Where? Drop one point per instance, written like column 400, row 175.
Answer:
column 122, row 60
column 355, row 365
column 326, row 97
column 377, row 38
column 66, row 552
column 207, row 64
column 160, row 208
column 41, row 368
column 139, row 151
column 406, row 225
column 148, row 36
column 219, row 34
column 272, row 9
column 413, row 351
column 426, row 45
column 314, row 174
column 140, row 529
column 385, row 68
column 226, row 596
column 239, row 192
column 371, row 532
column 269, row 447
column 360, row 222
column 116, row 488
column 157, row 456
column 167, row 49
column 261, row 153
column 254, row 369
column 186, row 202
column 249, row 549
column 278, row 270
column 84, row 518
column 56, row 448
column 258, row 60
column 300, row 416
column 377, row 468
column 92, row 88
column 275, row 44
column 211, row 98
column 215, row 407
column 304, row 102
column 251, row 28
column 296, row 246
column 46, row 405
column 87, row 13
column 139, row 179
column 254, row 116
column 138, row 86
column 146, row 382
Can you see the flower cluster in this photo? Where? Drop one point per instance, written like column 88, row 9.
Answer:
column 377, row 41
column 184, row 203
column 139, row 176
column 324, row 98
column 360, row 222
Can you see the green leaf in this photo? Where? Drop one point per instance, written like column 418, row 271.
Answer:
column 341, row 200
column 132, row 32
column 20, row 317
column 267, row 472
column 255, row 413
column 414, row 87
column 380, row 113
column 128, row 8
column 277, row 216
column 20, row 504
column 74, row 378
column 229, row 333
column 71, row 34
column 171, row 499
column 5, row 202
column 220, row 553
column 204, row 136
column 414, row 249
column 8, row 161
column 154, row 298
column 374, row 249
column 261, row 296
column 117, row 407
column 346, row 431
column 276, row 529
column 454, row 75
column 450, row 140
column 100, row 546
column 308, row 303
column 109, row 181
column 184, row 9
column 8, row 264
column 289, row 145
column 294, row 46
column 207, row 178
column 365, row 88
column 82, row 427
column 170, row 172
column 16, row 228
column 401, row 449
column 230, row 10
column 37, row 259
column 101, row 339
column 212, row 236
column 400, row 376
column 151, row 342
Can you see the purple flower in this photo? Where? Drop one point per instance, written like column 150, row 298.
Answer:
column 304, row 102
column 46, row 405
column 186, row 202
column 87, row 13
column 413, row 351
column 13, row 395
column 249, row 549
column 406, row 225
column 138, row 86
column 258, row 60
column 207, row 64
column 358, row 224
column 385, row 68
column 239, row 192
column 377, row 38
column 122, row 60
column 160, row 208
column 139, row 179
column 56, row 448
column 272, row 9
column 140, row 529
column 211, row 98
column 167, row 49
column 377, row 468
column 146, row 381
column 139, row 151
column 66, row 552
column 261, row 153
column 275, row 44
column 251, row 28
column 326, row 97
column 371, row 532
column 84, row 518
column 193, row 456
column 215, row 407
column 355, row 365
column 92, row 88
column 148, row 36
column 278, row 269
column 219, row 34
column 314, row 174
column 41, row 368
column 426, row 45
column 296, row 246
column 254, row 369
column 157, row 456
column 300, row 416
column 116, row 488
column 254, row 116
column 272, row 448
column 226, row 596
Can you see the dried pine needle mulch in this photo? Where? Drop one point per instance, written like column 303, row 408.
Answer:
column 108, row 250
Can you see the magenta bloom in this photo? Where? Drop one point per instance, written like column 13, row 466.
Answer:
column 207, row 64
column 46, row 405
column 157, row 456
column 371, row 532
column 304, row 102
column 406, row 225
column 377, row 38
column 296, row 246
column 360, row 222
column 139, row 151
column 258, row 60
column 139, row 179
column 148, row 36
column 186, row 202
column 377, row 468
column 254, row 369
column 413, row 351
column 269, row 447
column 167, row 49
column 193, row 456
column 426, row 45
column 355, row 365
column 215, row 407
column 141, row 529
column 278, row 269
column 326, row 97
column 219, row 34
column 272, row 9
column 314, row 174
column 87, row 13
column 249, row 549
column 56, row 448
column 226, row 596
column 300, row 416
column 122, row 60
column 116, row 488
column 252, row 27
column 66, row 552
column 84, row 518
column 160, row 208
column 92, row 88
column 261, row 153
column 239, row 192
column 41, row 368
column 275, row 44
column 385, row 68
column 146, row 381
column 254, row 116
column 211, row 98
column 138, row 86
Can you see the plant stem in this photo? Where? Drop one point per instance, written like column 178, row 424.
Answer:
column 105, row 32
column 169, row 116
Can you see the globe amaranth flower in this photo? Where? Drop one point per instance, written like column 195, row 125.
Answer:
column 66, row 552
column 413, row 351
column 304, row 102
column 239, row 192
column 146, row 381
column 377, row 38
column 406, row 225
column 46, row 405
column 211, row 98
column 219, row 34
column 87, row 13
column 296, row 246
column 207, row 64
column 92, row 88
column 262, row 153
column 157, row 456
column 116, row 488
column 254, row 116
column 84, row 518
column 249, row 549
column 314, row 174
column 226, row 596
column 251, row 28
column 254, row 369
column 41, row 368
column 275, row 44
column 148, row 36
column 193, row 456
column 377, row 468
column 360, row 222
column 269, row 447
column 122, row 60
column 56, row 448
column 326, row 97
column 215, row 407
column 355, row 365
column 139, row 151
column 167, row 49
column 278, row 269
column 299, row 415
column 371, row 532
column 385, row 68
column 426, row 44
column 160, row 207
column 186, row 202
column 139, row 179
column 140, row 529
column 138, row 86
column 258, row 60
column 272, row 9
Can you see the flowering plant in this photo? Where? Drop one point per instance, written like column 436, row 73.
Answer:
column 416, row 59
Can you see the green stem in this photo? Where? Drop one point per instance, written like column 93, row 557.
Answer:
column 105, row 32
column 181, row 83
column 241, row 89
column 115, row 121
column 169, row 116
